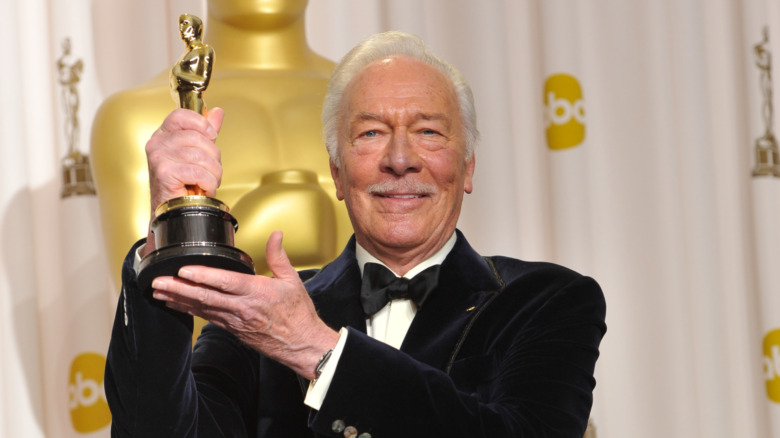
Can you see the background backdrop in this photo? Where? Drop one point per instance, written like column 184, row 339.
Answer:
column 618, row 138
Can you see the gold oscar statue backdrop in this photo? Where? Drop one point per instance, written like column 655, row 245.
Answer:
column 276, row 174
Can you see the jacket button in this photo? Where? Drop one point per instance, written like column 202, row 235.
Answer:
column 337, row 426
column 364, row 435
column 350, row 432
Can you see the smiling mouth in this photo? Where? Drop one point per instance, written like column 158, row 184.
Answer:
column 387, row 195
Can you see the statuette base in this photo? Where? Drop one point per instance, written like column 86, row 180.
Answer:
column 193, row 230
column 167, row 261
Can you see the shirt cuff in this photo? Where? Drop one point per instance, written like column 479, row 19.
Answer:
column 137, row 258
column 318, row 388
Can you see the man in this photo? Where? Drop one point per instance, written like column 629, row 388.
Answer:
column 498, row 347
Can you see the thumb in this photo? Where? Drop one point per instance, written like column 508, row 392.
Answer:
column 277, row 259
column 215, row 116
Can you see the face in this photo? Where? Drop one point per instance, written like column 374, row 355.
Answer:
column 403, row 170
column 188, row 28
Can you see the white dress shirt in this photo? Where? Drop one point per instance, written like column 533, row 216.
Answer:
column 388, row 325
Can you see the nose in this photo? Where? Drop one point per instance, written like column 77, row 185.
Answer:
column 400, row 155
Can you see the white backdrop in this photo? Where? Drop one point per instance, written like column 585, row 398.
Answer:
column 657, row 203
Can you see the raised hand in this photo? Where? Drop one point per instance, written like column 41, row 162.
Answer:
column 273, row 315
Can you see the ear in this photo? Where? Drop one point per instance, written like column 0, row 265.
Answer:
column 467, row 184
column 335, row 172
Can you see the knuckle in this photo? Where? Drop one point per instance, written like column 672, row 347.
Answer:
column 153, row 151
column 194, row 155
column 245, row 314
column 203, row 297
column 229, row 282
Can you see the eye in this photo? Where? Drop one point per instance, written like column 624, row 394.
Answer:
column 372, row 133
column 429, row 132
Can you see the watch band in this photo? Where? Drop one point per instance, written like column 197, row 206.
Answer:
column 321, row 364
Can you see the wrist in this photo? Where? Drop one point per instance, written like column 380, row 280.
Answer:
column 320, row 355
column 150, row 246
column 321, row 364
column 318, row 388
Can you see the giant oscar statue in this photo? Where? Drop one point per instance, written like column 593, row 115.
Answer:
column 276, row 173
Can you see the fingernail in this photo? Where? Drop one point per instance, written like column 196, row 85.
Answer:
column 159, row 284
column 185, row 273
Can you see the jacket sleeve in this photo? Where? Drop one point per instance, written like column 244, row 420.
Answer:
column 526, row 370
column 153, row 386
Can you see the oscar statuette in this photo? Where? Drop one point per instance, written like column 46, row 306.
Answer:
column 194, row 229
column 767, row 153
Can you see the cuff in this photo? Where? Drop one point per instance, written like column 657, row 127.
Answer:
column 315, row 395
column 137, row 258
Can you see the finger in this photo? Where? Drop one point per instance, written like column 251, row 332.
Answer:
column 215, row 117
column 183, row 153
column 229, row 282
column 195, row 308
column 277, row 259
column 188, row 129
column 186, row 156
column 188, row 120
column 183, row 293
column 169, row 178
column 210, row 304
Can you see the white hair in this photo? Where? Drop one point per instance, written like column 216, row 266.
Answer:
column 381, row 46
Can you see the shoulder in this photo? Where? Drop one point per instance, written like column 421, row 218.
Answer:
column 511, row 270
column 307, row 274
column 546, row 287
column 343, row 266
column 519, row 288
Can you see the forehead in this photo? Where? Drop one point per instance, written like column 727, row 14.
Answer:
column 401, row 81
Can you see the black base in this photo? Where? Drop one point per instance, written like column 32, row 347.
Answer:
column 168, row 260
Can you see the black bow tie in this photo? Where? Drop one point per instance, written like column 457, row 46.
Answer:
column 380, row 286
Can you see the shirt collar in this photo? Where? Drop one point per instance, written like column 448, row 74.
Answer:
column 364, row 257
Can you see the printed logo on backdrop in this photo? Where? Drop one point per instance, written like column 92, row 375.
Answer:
column 86, row 397
column 564, row 111
column 772, row 364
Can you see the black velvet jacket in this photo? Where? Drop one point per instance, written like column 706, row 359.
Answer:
column 502, row 348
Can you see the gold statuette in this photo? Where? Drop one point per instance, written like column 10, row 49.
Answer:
column 766, row 151
column 193, row 229
column 76, row 175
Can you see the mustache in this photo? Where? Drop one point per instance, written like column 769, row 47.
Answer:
column 405, row 186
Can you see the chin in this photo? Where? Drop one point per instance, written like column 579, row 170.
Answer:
column 403, row 238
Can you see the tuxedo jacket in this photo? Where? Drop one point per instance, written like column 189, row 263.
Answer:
column 501, row 348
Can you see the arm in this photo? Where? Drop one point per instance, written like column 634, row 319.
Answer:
column 155, row 387
column 193, row 71
column 149, row 385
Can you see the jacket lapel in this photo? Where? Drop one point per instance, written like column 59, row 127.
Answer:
column 466, row 283
column 335, row 291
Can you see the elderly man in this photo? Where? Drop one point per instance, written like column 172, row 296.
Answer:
column 464, row 346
